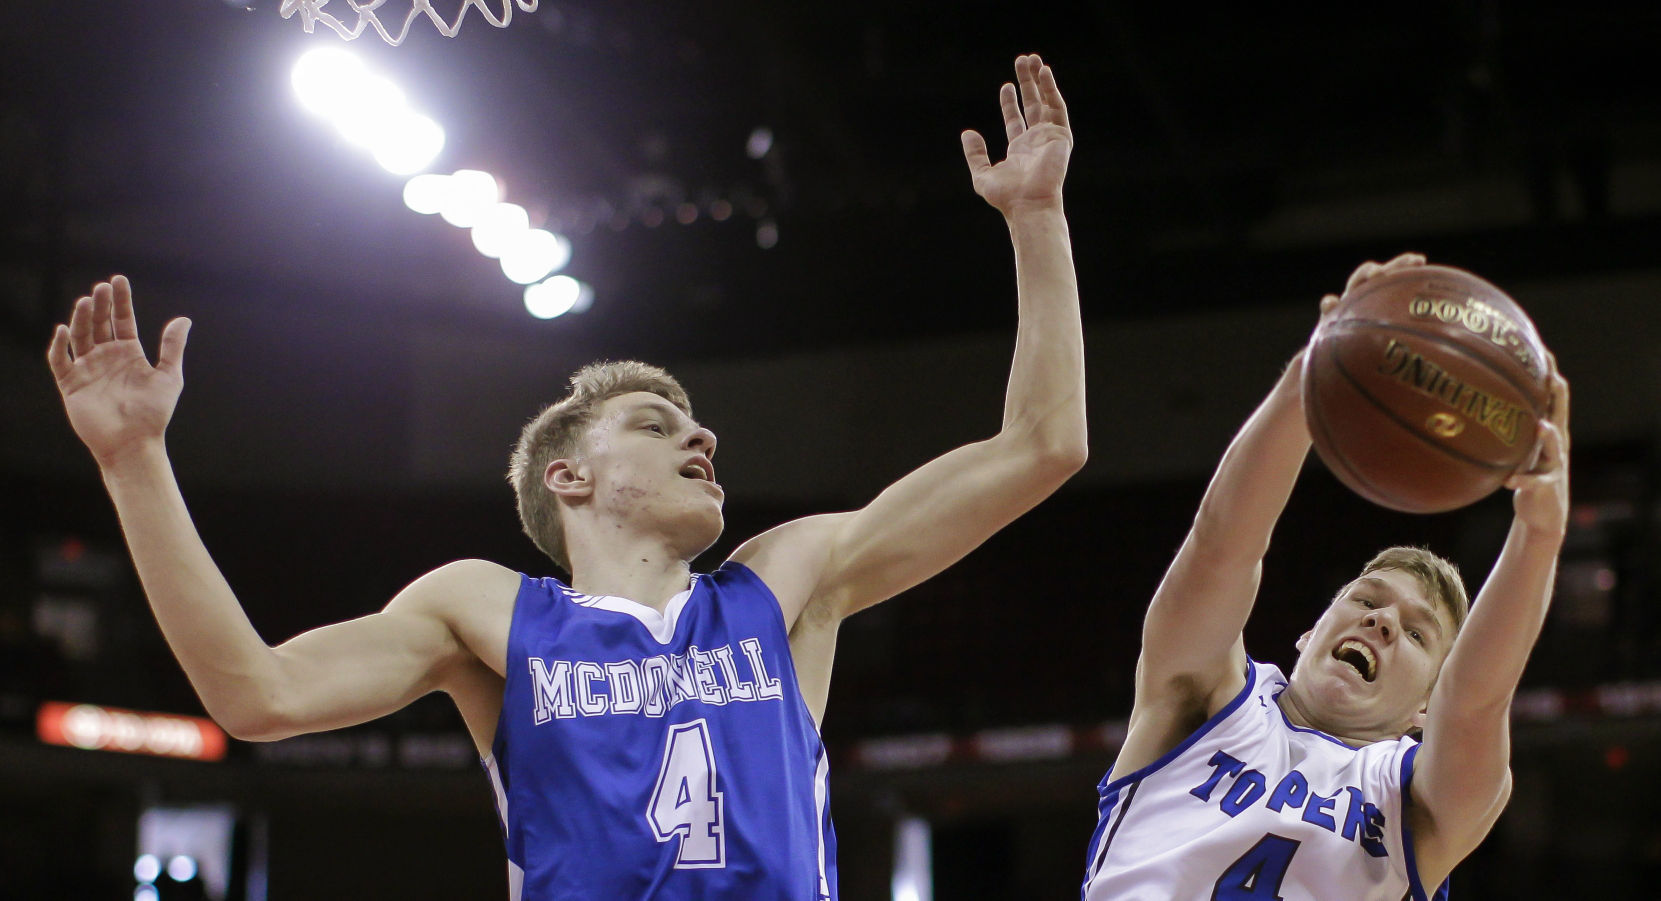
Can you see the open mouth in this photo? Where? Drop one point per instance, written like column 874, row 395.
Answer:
column 1358, row 656
column 696, row 471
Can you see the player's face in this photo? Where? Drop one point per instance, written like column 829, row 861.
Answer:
column 652, row 465
column 1367, row 667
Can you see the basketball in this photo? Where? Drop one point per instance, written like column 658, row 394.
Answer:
column 1424, row 391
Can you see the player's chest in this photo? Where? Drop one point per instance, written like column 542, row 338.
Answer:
column 1255, row 790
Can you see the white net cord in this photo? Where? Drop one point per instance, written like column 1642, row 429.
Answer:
column 311, row 12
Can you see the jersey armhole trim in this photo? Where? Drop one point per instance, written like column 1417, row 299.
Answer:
column 498, row 741
column 742, row 571
column 1415, row 886
column 1228, row 709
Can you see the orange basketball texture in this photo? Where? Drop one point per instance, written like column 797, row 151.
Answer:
column 1424, row 392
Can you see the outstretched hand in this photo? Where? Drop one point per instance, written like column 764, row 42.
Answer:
column 117, row 402
column 1040, row 141
column 1331, row 303
column 1541, row 498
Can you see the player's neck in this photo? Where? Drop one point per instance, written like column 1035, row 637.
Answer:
column 1303, row 715
column 643, row 570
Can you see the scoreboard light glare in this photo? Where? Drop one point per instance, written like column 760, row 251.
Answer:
column 95, row 728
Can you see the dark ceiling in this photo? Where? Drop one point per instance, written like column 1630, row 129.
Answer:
column 1248, row 155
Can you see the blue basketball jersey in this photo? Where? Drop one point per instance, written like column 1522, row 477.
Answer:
column 666, row 756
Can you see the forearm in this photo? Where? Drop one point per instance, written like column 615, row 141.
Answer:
column 230, row 666
column 1487, row 661
column 1045, row 399
column 1255, row 479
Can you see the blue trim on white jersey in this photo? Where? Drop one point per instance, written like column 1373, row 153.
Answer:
column 1414, row 885
column 1193, row 737
column 1307, row 731
column 1109, row 791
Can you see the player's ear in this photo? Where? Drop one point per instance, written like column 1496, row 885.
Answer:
column 568, row 478
column 1303, row 640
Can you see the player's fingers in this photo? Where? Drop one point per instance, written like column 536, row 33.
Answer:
column 80, row 328
column 1055, row 108
column 1403, row 261
column 974, row 152
column 1329, row 303
column 57, row 353
column 1560, row 401
column 1363, row 272
column 1551, row 452
column 171, row 357
column 1013, row 123
column 1032, row 104
column 125, row 323
column 103, row 306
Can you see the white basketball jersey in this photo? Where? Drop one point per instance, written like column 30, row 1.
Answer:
column 1252, row 808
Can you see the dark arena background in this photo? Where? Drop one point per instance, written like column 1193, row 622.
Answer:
column 769, row 199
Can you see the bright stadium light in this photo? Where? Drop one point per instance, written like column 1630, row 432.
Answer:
column 407, row 144
column 146, row 892
column 469, row 193
column 557, row 296
column 425, row 193
column 324, row 78
column 371, row 107
column 146, row 868
column 498, row 227
column 182, row 868
column 368, row 109
column 533, row 254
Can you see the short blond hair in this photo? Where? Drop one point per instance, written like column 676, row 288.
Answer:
column 1438, row 576
column 556, row 432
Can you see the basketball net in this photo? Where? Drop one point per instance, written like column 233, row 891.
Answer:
column 311, row 12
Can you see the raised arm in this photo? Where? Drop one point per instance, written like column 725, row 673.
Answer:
column 841, row 563
column 1192, row 657
column 120, row 405
column 1462, row 776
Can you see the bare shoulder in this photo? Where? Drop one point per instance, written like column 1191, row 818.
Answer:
column 457, row 586
column 473, row 598
column 791, row 557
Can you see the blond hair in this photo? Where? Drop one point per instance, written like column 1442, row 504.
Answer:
column 1438, row 576
column 556, row 432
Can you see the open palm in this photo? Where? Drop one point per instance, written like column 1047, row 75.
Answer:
column 1040, row 142
column 116, row 400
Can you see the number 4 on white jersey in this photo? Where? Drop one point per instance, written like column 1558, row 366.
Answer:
column 686, row 802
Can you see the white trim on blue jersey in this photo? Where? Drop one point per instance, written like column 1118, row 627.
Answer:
column 1250, row 806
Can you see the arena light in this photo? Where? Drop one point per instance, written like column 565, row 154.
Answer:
column 913, row 866
column 556, row 296
column 761, row 141
column 181, row 868
column 425, row 193
column 498, row 227
column 322, row 79
column 94, row 728
column 407, row 144
column 146, row 893
column 146, row 868
column 468, row 194
column 534, row 253
column 369, row 110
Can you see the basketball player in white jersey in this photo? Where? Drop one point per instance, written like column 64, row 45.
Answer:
column 616, row 483
column 1237, row 782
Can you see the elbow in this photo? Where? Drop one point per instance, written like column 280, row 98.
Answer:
column 258, row 718
column 1061, row 457
column 246, row 728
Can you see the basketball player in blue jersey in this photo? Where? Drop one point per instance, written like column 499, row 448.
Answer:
column 649, row 732
column 1236, row 782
